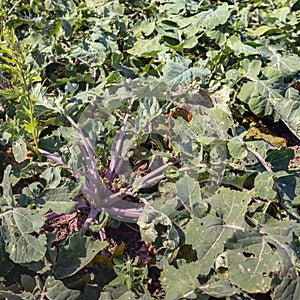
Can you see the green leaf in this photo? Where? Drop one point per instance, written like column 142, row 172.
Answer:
column 212, row 18
column 264, row 186
column 258, row 94
column 181, row 282
column 237, row 147
column 289, row 112
column 188, row 191
column 56, row 290
column 239, row 48
column 148, row 221
column 147, row 48
column 92, row 53
column 60, row 199
column 179, row 71
column 7, row 198
column 252, row 263
column 79, row 251
column 18, row 232
column 52, row 176
column 19, row 149
column 280, row 159
column 219, row 288
column 287, row 63
column 282, row 236
column 208, row 235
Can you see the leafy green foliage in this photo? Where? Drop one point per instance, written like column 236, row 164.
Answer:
column 137, row 107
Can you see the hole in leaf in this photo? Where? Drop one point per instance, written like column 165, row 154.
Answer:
column 247, row 254
column 272, row 246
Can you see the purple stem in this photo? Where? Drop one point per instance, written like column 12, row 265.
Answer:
column 51, row 156
column 86, row 146
column 92, row 215
column 111, row 169
column 121, row 161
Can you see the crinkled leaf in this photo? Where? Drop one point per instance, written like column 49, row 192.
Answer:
column 61, row 198
column 92, row 53
column 52, row 176
column 149, row 219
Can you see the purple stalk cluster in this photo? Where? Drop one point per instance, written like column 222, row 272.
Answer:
column 96, row 191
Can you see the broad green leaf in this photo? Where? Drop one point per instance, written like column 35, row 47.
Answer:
column 12, row 295
column 167, row 202
column 280, row 159
column 145, row 26
column 181, row 282
column 147, row 48
column 208, row 235
column 52, row 176
column 92, row 53
column 212, row 18
column 19, row 149
column 258, row 94
column 237, row 147
column 179, row 72
column 18, row 232
column 288, row 64
column 79, row 251
column 239, row 48
column 264, row 186
column 188, row 191
column 252, row 263
column 289, row 184
column 56, row 290
column 60, row 199
column 251, row 68
column 289, row 112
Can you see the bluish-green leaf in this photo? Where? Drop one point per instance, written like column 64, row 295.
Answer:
column 79, row 251
column 19, row 149
column 18, row 231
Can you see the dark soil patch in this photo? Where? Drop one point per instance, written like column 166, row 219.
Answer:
column 64, row 225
